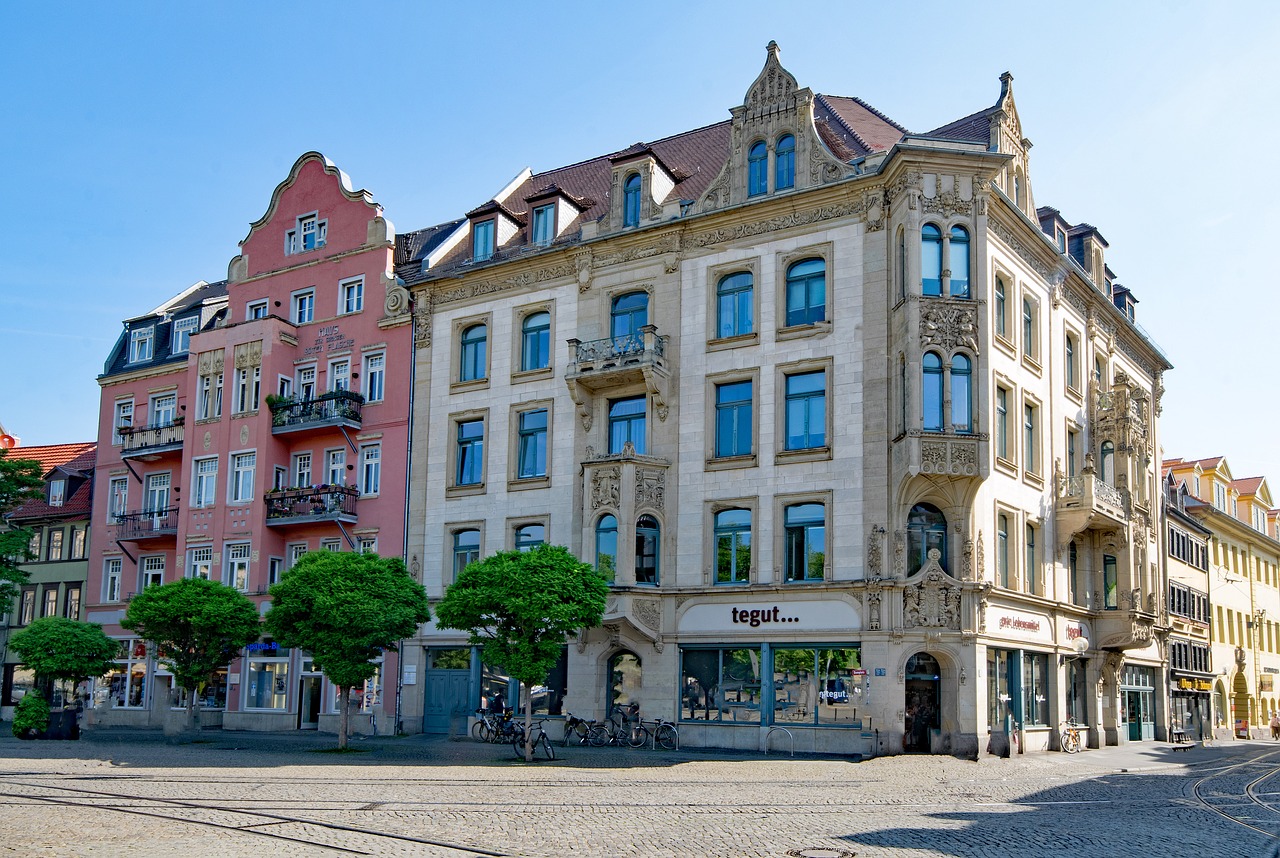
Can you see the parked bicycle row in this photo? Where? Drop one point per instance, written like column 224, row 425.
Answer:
column 624, row 728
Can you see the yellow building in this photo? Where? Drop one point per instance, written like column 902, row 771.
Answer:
column 1244, row 591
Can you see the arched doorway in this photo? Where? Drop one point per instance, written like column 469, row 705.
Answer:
column 1240, row 706
column 624, row 679
column 923, row 710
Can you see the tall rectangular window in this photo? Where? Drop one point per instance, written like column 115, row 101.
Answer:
column 111, row 579
column 118, row 498
column 209, row 396
column 532, row 455
column 200, row 562
column 351, row 296
column 152, row 571
column 1002, row 551
column 544, row 224
column 370, row 469
column 1033, row 566
column 735, row 305
column 466, row 549
column 71, row 604
column 142, row 344
column 733, row 419
column 340, row 375
column 121, row 419
column 248, row 388
column 335, row 467
column 1110, row 584
column 27, row 612
column 242, row 466
column 804, row 542
column 627, row 424
column 182, row 331
column 482, row 241
column 1073, row 452
column 302, row 469
column 1035, row 689
column 470, row 453
column 50, row 606
column 55, row 544
column 205, row 482
column 375, row 377
column 806, row 410
column 304, row 307
column 237, row 572
column 79, row 539
column 1031, row 450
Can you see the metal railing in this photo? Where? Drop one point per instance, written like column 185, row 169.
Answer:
column 146, row 524
column 139, row 439
column 334, row 406
column 317, row 502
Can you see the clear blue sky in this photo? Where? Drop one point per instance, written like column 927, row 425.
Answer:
column 138, row 141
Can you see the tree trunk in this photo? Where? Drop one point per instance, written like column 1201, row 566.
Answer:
column 344, row 717
column 192, row 723
column 528, row 726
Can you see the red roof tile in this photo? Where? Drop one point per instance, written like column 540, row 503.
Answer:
column 72, row 458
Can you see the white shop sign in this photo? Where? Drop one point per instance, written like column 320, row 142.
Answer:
column 1019, row 625
column 754, row 618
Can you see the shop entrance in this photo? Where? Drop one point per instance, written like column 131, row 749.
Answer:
column 309, row 695
column 923, row 699
column 445, row 697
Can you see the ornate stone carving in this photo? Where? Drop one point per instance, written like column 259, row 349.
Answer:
column 933, row 457
column 1015, row 244
column 746, row 230
column 931, row 602
column 648, row 612
column 874, row 559
column 581, row 641
column 422, row 322
column 824, row 169
column 397, row 303
column 606, row 488
column 983, row 592
column 651, row 487
column 415, row 566
column 248, row 355
column 478, row 288
column 668, row 243
column 210, row 363
column 875, row 203
column 966, row 561
column 582, row 264
column 775, row 87
column 899, row 553
column 949, row 325
column 980, row 568
column 874, row 596
column 947, row 204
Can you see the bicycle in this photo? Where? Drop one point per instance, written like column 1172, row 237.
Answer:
column 577, row 729
column 665, row 735
column 540, row 740
column 622, row 727
column 1070, row 737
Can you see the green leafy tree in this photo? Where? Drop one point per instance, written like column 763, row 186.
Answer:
column 346, row 609
column 520, row 606
column 60, row 650
column 198, row 627
column 21, row 480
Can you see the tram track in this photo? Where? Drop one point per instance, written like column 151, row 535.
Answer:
column 1199, row 791
column 153, row 806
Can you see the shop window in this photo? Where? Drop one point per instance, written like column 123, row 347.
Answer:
column 816, row 686
column 548, row 696
column 125, row 685
column 1035, row 689
column 926, row 530
column 267, row 679
column 625, row 679
column 721, row 685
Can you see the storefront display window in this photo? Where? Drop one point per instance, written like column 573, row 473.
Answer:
column 268, row 683
column 125, row 685
column 999, row 695
column 364, row 699
column 548, row 698
column 18, row 680
column 721, row 684
column 1077, row 691
column 815, row 686
column 1035, row 689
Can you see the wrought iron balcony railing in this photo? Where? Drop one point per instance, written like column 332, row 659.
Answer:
column 308, row 504
column 158, row 438
column 335, row 408
column 146, row 524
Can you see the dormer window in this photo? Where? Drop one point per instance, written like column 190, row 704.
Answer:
column 1060, row 235
column 757, row 169
column 482, row 241
column 544, row 224
column 142, row 344
column 784, row 163
column 631, row 200
column 310, row 233
column 57, row 492
column 182, row 331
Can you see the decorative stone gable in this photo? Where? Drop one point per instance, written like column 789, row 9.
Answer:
column 774, row 105
column 931, row 598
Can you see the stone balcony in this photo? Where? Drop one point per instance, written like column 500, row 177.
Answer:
column 1085, row 502
column 952, row 454
column 614, row 362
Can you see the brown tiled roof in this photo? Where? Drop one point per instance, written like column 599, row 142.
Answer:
column 75, row 460
column 975, row 126
column 1247, row 485
column 862, row 126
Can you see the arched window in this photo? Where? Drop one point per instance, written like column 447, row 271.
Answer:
column 902, row 263
column 466, row 550
column 1107, row 463
column 648, row 542
column 735, row 305
column 530, row 536
column 926, row 530
column 784, row 164
column 733, row 546
column 473, row 362
column 807, row 292
column 1001, row 309
column 624, row 679
column 930, row 260
column 631, row 200
column 607, row 546
column 629, row 313
column 931, row 393
column 959, row 262
column 757, row 169
column 961, row 394
column 535, row 341
column 805, row 542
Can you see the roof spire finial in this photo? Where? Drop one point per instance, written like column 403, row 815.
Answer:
column 772, row 48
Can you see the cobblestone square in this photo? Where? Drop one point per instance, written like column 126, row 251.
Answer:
column 134, row 793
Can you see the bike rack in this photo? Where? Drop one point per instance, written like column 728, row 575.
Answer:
column 653, row 737
column 789, row 736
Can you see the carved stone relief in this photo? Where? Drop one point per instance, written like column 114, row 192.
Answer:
column 651, row 488
column 648, row 612
column 874, row 596
column 931, row 602
column 606, row 488
column 948, row 325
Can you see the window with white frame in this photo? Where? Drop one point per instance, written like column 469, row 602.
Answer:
column 307, row 383
column 57, row 492
column 302, row 469
column 204, row 474
column 335, row 467
column 544, row 224
column 308, row 233
column 242, row 467
column 370, row 469
column 340, row 375
column 164, row 409
column 209, row 396
column 304, row 307
column 237, row 572
column 54, row 551
column 375, row 376
column 367, row 545
column 200, row 562
column 50, row 606
column 275, row 569
column 122, row 419
column 125, row 685
column 482, row 241
column 248, row 388
column 142, row 344
column 79, row 540
column 111, row 570
column 331, row 545
column 279, row 477
column 117, row 498
column 181, row 334
column 1031, row 438
column 256, row 310
column 294, row 551
column 351, row 296
column 152, row 571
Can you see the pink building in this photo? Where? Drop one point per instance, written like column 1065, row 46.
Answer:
column 246, row 422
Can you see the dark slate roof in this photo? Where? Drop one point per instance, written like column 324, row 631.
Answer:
column 76, row 462
column 975, row 127
column 411, row 247
column 184, row 305
column 853, row 124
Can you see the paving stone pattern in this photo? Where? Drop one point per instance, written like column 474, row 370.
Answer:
column 120, row 792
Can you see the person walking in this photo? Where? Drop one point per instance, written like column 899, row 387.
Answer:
column 1275, row 727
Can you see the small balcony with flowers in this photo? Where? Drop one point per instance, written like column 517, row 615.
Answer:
column 303, row 505
column 151, row 443
column 337, row 409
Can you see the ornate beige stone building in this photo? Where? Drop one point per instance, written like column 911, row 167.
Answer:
column 864, row 440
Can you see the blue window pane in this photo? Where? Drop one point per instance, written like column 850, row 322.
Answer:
column 473, row 357
column 647, row 550
column 544, row 224
column 482, row 241
column 806, row 410
column 959, row 262
column 961, row 394
column 530, row 536
column 734, row 305
column 733, row 419
column 533, row 445
column 784, row 169
column 607, row 546
column 805, row 542
column 535, row 345
column 930, row 260
column 470, row 453
column 757, row 169
column 806, row 292
column 630, row 313
column 733, row 546
column 627, row 423
column 931, row 392
column 631, row 200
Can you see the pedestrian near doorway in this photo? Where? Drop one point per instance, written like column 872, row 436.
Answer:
column 1275, row 726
